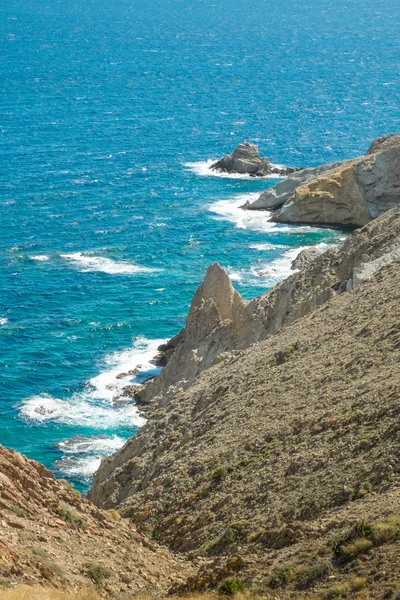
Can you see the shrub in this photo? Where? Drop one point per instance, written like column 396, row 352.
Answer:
column 358, row 584
column 385, row 532
column 281, row 577
column 307, row 576
column 74, row 520
column 335, row 593
column 20, row 512
column 231, row 586
column 97, row 573
column 113, row 514
column 219, row 474
column 355, row 548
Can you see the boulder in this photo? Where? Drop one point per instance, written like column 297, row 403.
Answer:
column 245, row 160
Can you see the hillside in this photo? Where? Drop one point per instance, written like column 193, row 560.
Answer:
column 278, row 449
column 51, row 536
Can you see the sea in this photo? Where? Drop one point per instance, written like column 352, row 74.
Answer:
column 111, row 112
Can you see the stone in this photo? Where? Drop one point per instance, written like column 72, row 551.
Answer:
column 245, row 160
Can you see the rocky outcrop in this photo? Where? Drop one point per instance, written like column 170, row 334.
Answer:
column 351, row 193
column 50, row 535
column 280, row 449
column 283, row 191
column 221, row 322
column 221, row 326
column 245, row 160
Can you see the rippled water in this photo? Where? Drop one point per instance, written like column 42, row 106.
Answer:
column 110, row 115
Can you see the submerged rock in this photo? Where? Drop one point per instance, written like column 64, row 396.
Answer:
column 245, row 160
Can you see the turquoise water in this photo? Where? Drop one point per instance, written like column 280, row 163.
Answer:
column 109, row 114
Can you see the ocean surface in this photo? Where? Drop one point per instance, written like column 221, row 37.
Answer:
column 111, row 111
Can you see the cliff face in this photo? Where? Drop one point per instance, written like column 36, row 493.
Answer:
column 349, row 193
column 306, row 368
column 275, row 451
column 50, row 535
column 220, row 322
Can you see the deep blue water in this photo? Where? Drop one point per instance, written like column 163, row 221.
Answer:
column 105, row 233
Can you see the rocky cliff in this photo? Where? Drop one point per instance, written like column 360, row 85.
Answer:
column 272, row 456
column 350, row 193
column 50, row 535
column 220, row 322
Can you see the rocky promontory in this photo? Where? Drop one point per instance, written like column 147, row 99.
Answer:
column 350, row 193
column 271, row 450
column 245, row 160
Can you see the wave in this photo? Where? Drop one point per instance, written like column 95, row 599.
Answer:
column 203, row 168
column 102, row 400
column 83, row 454
column 3, row 321
column 40, row 257
column 256, row 220
column 277, row 270
column 88, row 262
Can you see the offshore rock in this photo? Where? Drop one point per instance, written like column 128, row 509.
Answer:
column 245, row 160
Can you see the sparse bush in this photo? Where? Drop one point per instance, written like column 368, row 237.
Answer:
column 219, row 474
column 308, row 575
column 281, row 577
column 113, row 514
column 335, row 593
column 353, row 549
column 358, row 584
column 97, row 573
column 74, row 520
column 20, row 512
column 385, row 532
column 231, row 586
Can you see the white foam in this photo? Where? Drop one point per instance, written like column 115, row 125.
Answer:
column 88, row 262
column 263, row 247
column 100, row 444
column 203, row 168
column 277, row 270
column 40, row 257
column 256, row 220
column 79, row 467
column 3, row 321
column 82, row 455
column 79, row 411
column 99, row 404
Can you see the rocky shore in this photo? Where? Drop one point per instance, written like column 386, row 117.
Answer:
column 270, row 458
column 350, row 193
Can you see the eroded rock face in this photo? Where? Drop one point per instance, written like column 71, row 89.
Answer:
column 45, row 525
column 218, row 321
column 276, row 196
column 350, row 193
column 245, row 160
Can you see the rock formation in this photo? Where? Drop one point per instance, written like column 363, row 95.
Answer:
column 50, row 535
column 278, row 449
column 221, row 322
column 351, row 193
column 245, row 160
